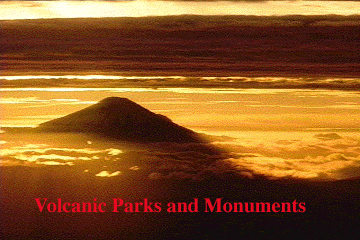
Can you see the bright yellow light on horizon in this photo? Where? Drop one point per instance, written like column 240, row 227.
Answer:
column 10, row 10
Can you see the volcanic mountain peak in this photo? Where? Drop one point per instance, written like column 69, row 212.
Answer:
column 122, row 119
column 118, row 102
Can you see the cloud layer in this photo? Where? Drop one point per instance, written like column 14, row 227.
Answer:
column 323, row 156
column 187, row 45
column 130, row 8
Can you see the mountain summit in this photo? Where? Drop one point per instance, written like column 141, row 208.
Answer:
column 122, row 119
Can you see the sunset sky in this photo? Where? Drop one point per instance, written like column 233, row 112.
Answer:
column 139, row 8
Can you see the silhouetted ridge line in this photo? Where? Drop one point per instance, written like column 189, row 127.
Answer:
column 122, row 119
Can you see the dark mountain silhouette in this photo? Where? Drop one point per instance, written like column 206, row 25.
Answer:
column 122, row 119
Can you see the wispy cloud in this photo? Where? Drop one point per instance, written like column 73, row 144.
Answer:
column 107, row 174
column 181, row 83
column 41, row 153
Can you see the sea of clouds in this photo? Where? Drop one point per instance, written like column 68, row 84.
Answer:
column 316, row 156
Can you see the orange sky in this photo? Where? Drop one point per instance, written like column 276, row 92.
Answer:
column 68, row 9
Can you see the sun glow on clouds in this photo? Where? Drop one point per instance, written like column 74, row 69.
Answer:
column 42, row 154
column 322, row 156
column 107, row 174
column 80, row 9
column 86, row 77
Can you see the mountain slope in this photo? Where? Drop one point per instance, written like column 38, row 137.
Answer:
column 122, row 119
